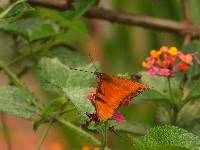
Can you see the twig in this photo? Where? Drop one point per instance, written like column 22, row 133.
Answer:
column 187, row 19
column 144, row 21
column 62, row 4
column 44, row 135
column 78, row 130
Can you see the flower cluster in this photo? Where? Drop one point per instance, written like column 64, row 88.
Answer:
column 168, row 61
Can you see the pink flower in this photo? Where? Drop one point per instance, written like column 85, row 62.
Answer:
column 164, row 72
column 152, row 71
column 118, row 117
column 91, row 95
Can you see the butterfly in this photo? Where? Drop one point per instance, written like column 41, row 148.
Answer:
column 112, row 92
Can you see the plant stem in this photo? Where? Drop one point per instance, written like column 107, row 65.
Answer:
column 170, row 89
column 6, row 132
column 174, row 107
column 105, row 135
column 78, row 130
column 44, row 135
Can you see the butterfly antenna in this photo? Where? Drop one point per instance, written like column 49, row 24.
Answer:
column 81, row 70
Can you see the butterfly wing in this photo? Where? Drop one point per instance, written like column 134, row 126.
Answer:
column 129, row 88
column 113, row 92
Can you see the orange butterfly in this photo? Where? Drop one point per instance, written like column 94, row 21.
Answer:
column 112, row 92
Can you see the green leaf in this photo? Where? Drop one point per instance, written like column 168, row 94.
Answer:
column 82, row 6
column 16, row 102
column 74, row 85
column 193, row 91
column 42, row 31
column 15, row 11
column 160, row 92
column 169, row 138
column 14, row 28
column 79, row 26
column 68, row 57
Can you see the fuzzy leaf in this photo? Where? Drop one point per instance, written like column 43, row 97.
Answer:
column 68, row 57
column 57, row 77
column 169, row 138
column 160, row 92
column 16, row 102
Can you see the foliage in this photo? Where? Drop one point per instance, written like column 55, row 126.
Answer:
column 167, row 137
column 16, row 102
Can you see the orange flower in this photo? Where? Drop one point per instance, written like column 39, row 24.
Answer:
column 89, row 148
column 56, row 146
column 187, row 58
column 155, row 53
column 164, row 49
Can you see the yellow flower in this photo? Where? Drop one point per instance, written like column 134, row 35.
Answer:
column 155, row 53
column 173, row 51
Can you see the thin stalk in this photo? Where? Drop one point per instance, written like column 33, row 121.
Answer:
column 170, row 89
column 105, row 135
column 44, row 135
column 78, row 130
column 6, row 132
column 174, row 113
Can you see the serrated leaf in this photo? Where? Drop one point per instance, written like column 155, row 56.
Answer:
column 57, row 77
column 42, row 31
column 169, row 138
column 16, row 102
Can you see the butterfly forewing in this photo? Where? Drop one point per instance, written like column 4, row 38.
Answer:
column 112, row 92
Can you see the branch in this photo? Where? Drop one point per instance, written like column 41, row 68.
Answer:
column 172, row 26
column 61, row 4
column 187, row 19
column 144, row 21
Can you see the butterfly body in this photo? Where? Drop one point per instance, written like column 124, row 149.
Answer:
column 112, row 92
